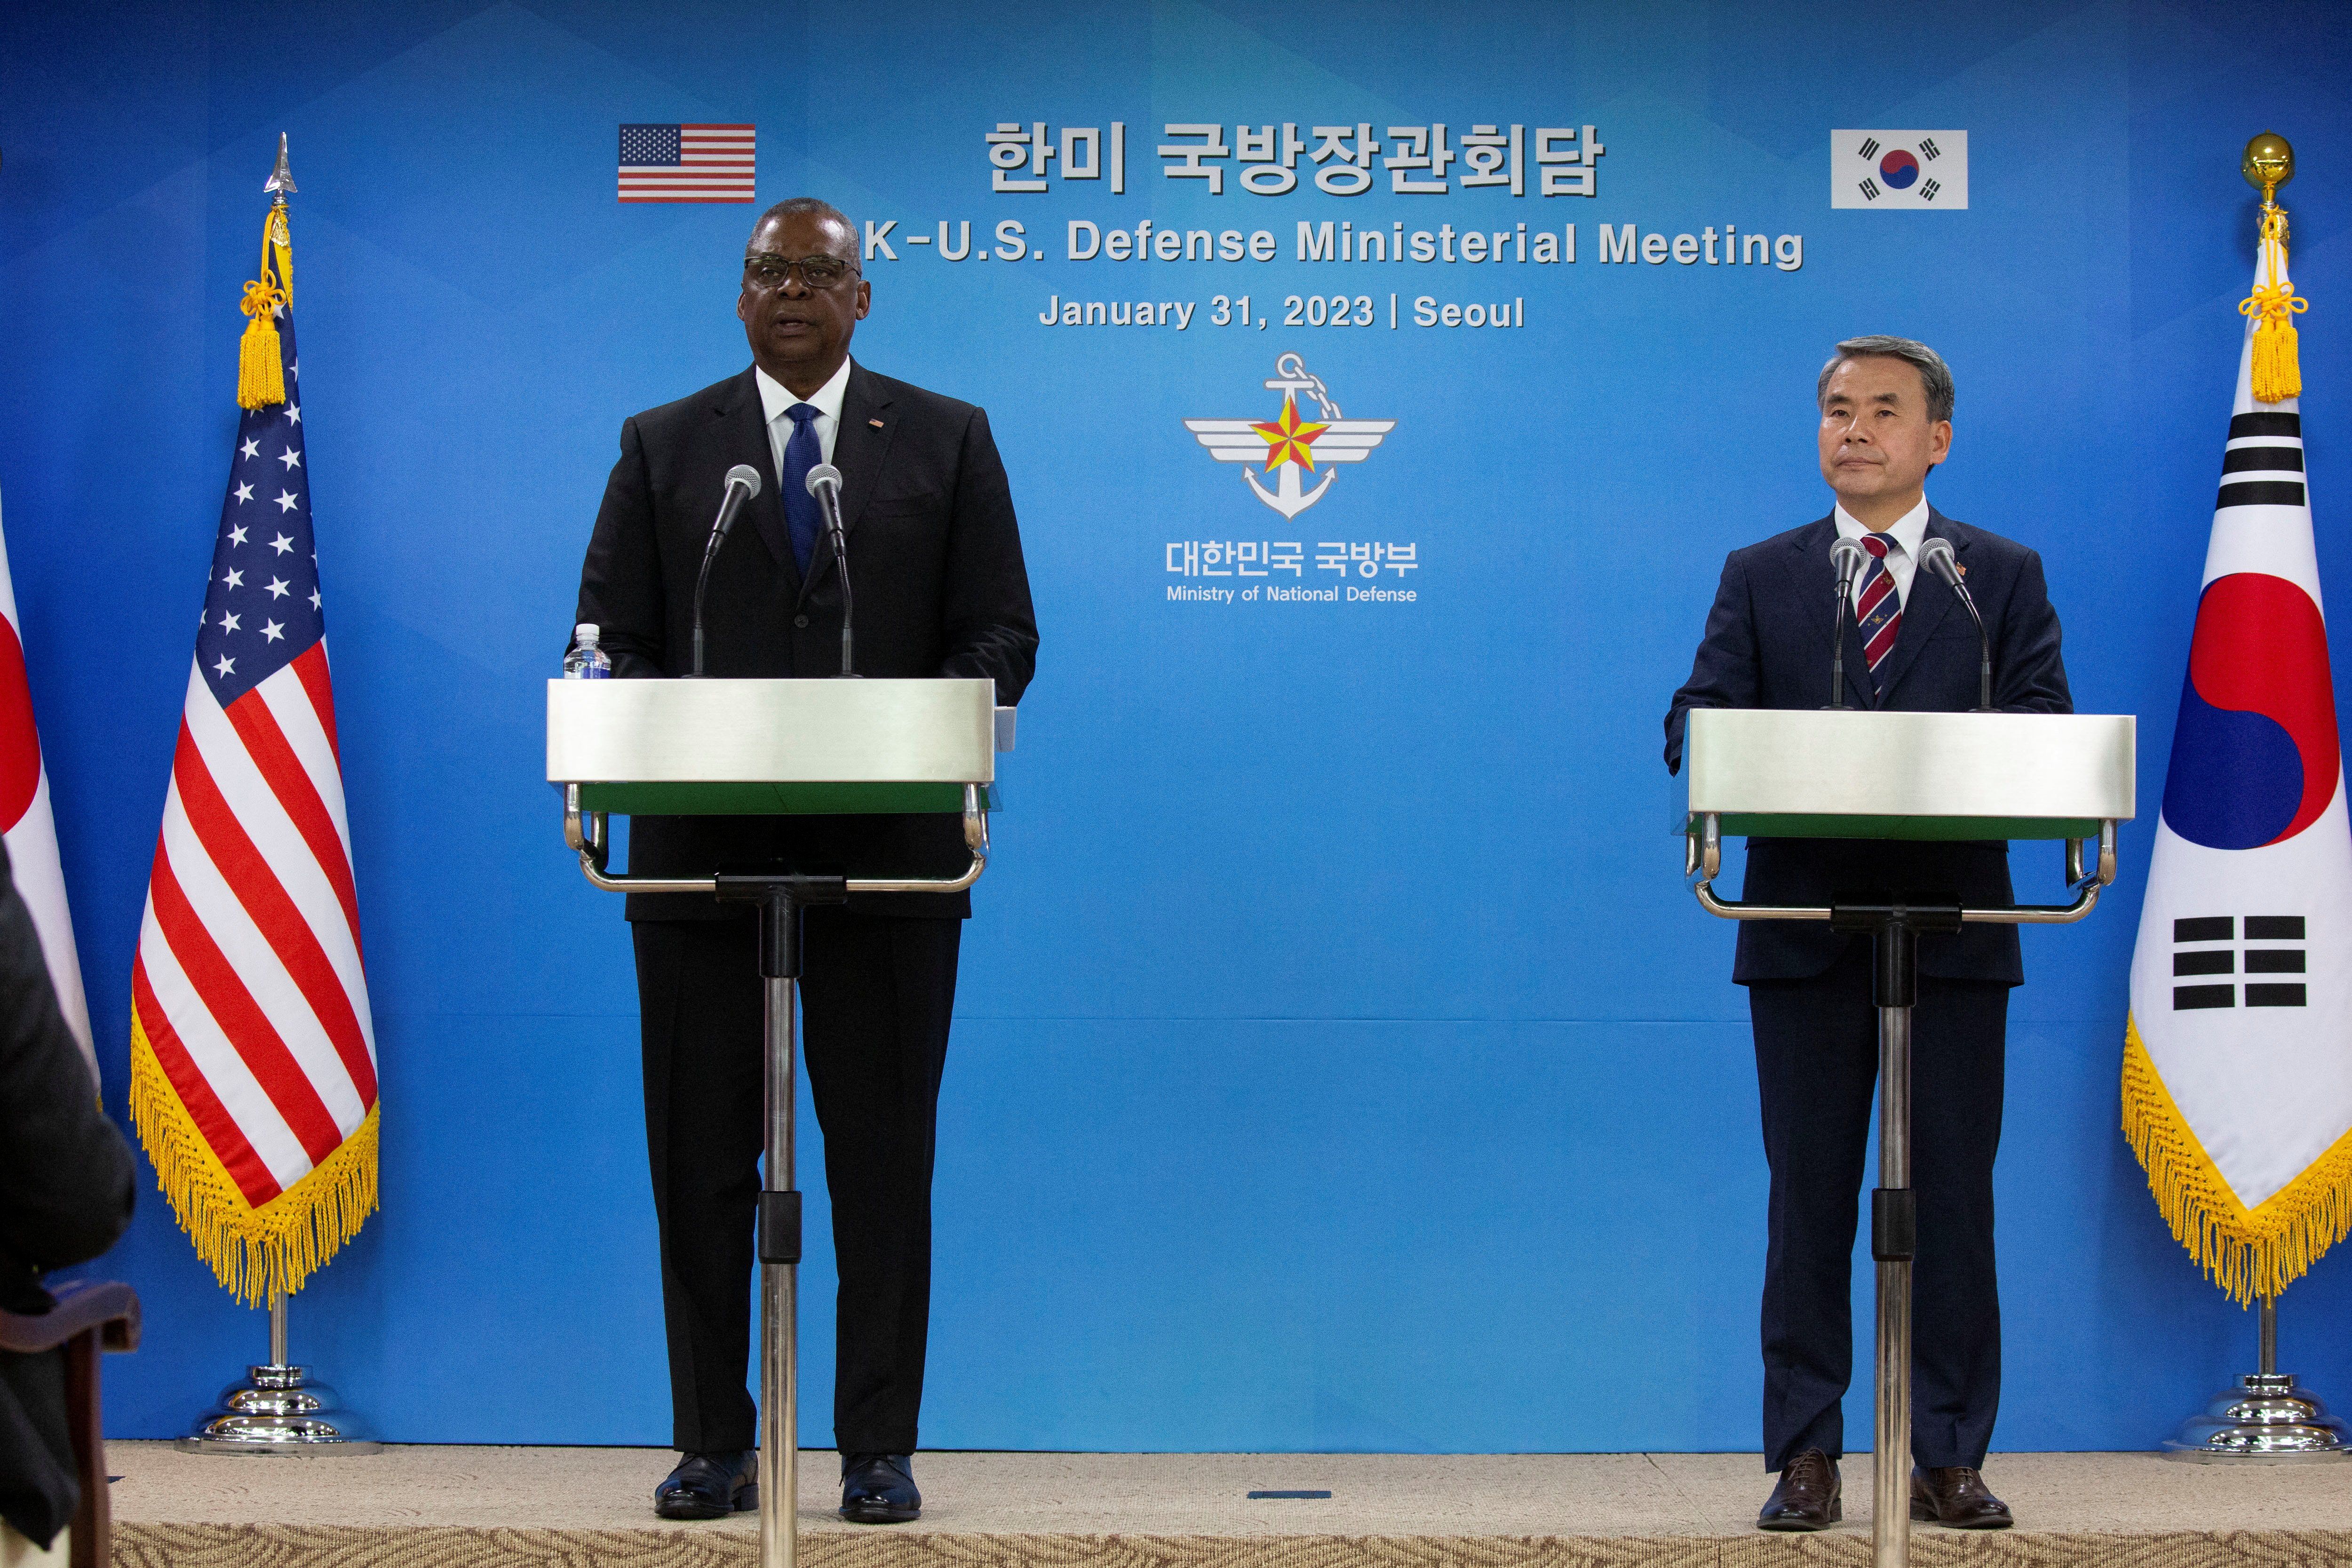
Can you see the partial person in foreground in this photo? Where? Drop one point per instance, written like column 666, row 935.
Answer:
column 65, row 1197
column 1885, row 412
column 939, row 590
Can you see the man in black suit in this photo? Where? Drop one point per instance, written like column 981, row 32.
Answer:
column 1885, row 420
column 939, row 589
column 65, row 1197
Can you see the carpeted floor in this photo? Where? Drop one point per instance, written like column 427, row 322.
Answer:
column 589, row 1507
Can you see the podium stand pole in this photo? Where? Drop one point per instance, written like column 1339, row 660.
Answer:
column 780, row 1450
column 781, row 898
column 1894, row 931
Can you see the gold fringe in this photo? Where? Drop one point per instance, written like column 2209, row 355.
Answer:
column 254, row 1252
column 2246, row 1252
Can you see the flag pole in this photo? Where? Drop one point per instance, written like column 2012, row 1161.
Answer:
column 277, row 1408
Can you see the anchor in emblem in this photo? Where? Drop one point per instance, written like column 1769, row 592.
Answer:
column 1288, row 446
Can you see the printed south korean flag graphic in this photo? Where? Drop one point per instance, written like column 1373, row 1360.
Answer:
column 1910, row 171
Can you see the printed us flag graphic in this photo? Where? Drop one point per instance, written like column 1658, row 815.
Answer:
column 248, row 989
column 687, row 162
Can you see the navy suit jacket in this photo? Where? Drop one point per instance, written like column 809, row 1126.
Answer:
column 1767, row 646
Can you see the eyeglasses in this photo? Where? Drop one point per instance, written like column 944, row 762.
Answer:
column 766, row 271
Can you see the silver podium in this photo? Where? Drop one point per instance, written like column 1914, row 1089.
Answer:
column 1764, row 772
column 673, row 748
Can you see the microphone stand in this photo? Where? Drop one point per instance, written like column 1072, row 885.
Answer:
column 1838, row 704
column 742, row 484
column 841, row 569
column 1984, row 652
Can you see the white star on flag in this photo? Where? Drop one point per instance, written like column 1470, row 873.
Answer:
column 233, row 579
column 290, row 458
column 286, row 500
column 272, row 630
column 281, row 544
column 277, row 587
column 294, row 413
column 225, row 665
column 252, row 449
column 244, row 493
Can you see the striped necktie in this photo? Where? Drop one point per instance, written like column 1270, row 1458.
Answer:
column 1878, row 609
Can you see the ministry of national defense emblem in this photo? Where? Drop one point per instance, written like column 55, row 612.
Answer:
column 1288, row 446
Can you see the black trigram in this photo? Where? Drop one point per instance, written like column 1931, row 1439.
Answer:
column 1928, row 149
column 2195, row 955
column 1928, row 192
column 1869, row 147
column 1869, row 190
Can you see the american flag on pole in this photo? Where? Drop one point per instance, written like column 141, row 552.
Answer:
column 687, row 162
column 253, row 1080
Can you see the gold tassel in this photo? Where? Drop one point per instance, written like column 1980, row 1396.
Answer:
column 2277, row 365
column 260, row 368
column 252, row 1252
column 2246, row 1252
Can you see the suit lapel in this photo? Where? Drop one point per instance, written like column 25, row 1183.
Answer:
column 745, row 422
column 1929, row 600
column 861, row 448
column 1816, row 588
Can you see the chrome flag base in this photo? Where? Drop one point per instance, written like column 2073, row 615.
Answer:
column 279, row 1410
column 2266, row 1420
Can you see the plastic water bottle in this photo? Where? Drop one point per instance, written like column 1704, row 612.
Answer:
column 586, row 661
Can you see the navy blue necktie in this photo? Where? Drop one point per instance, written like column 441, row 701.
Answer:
column 801, row 455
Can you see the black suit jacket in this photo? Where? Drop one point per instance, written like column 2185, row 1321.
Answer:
column 65, row 1196
column 938, row 588
column 1767, row 646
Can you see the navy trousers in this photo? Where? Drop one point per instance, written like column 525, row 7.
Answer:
column 1816, row 1067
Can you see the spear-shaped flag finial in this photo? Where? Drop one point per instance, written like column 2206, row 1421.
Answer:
column 281, row 178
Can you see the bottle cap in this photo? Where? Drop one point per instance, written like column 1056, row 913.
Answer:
column 585, row 632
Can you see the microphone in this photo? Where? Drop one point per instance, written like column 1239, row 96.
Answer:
column 1847, row 557
column 825, row 484
column 1935, row 555
column 742, row 484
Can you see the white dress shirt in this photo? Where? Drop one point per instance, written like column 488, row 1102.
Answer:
column 1909, row 533
column 776, row 400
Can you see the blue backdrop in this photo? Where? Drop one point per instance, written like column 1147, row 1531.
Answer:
column 1340, row 1063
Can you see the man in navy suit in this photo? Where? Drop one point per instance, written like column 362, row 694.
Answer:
column 1886, row 421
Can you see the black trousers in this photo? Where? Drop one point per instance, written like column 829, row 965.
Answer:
column 1816, row 1065
column 877, row 995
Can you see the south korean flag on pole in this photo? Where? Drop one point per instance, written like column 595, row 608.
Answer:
column 2237, row 1074
column 1910, row 171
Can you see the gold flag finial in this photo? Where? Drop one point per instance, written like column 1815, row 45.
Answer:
column 2277, row 367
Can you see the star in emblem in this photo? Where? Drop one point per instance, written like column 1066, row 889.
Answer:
column 251, row 448
column 1289, row 438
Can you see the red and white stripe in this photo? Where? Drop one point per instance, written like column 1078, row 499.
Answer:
column 716, row 163
column 248, row 982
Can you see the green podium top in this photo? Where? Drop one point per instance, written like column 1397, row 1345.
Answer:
column 686, row 748
column 1783, row 774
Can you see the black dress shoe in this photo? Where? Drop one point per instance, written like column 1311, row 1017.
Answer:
column 1807, row 1497
column 1956, row 1495
column 879, row 1489
column 710, row 1486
